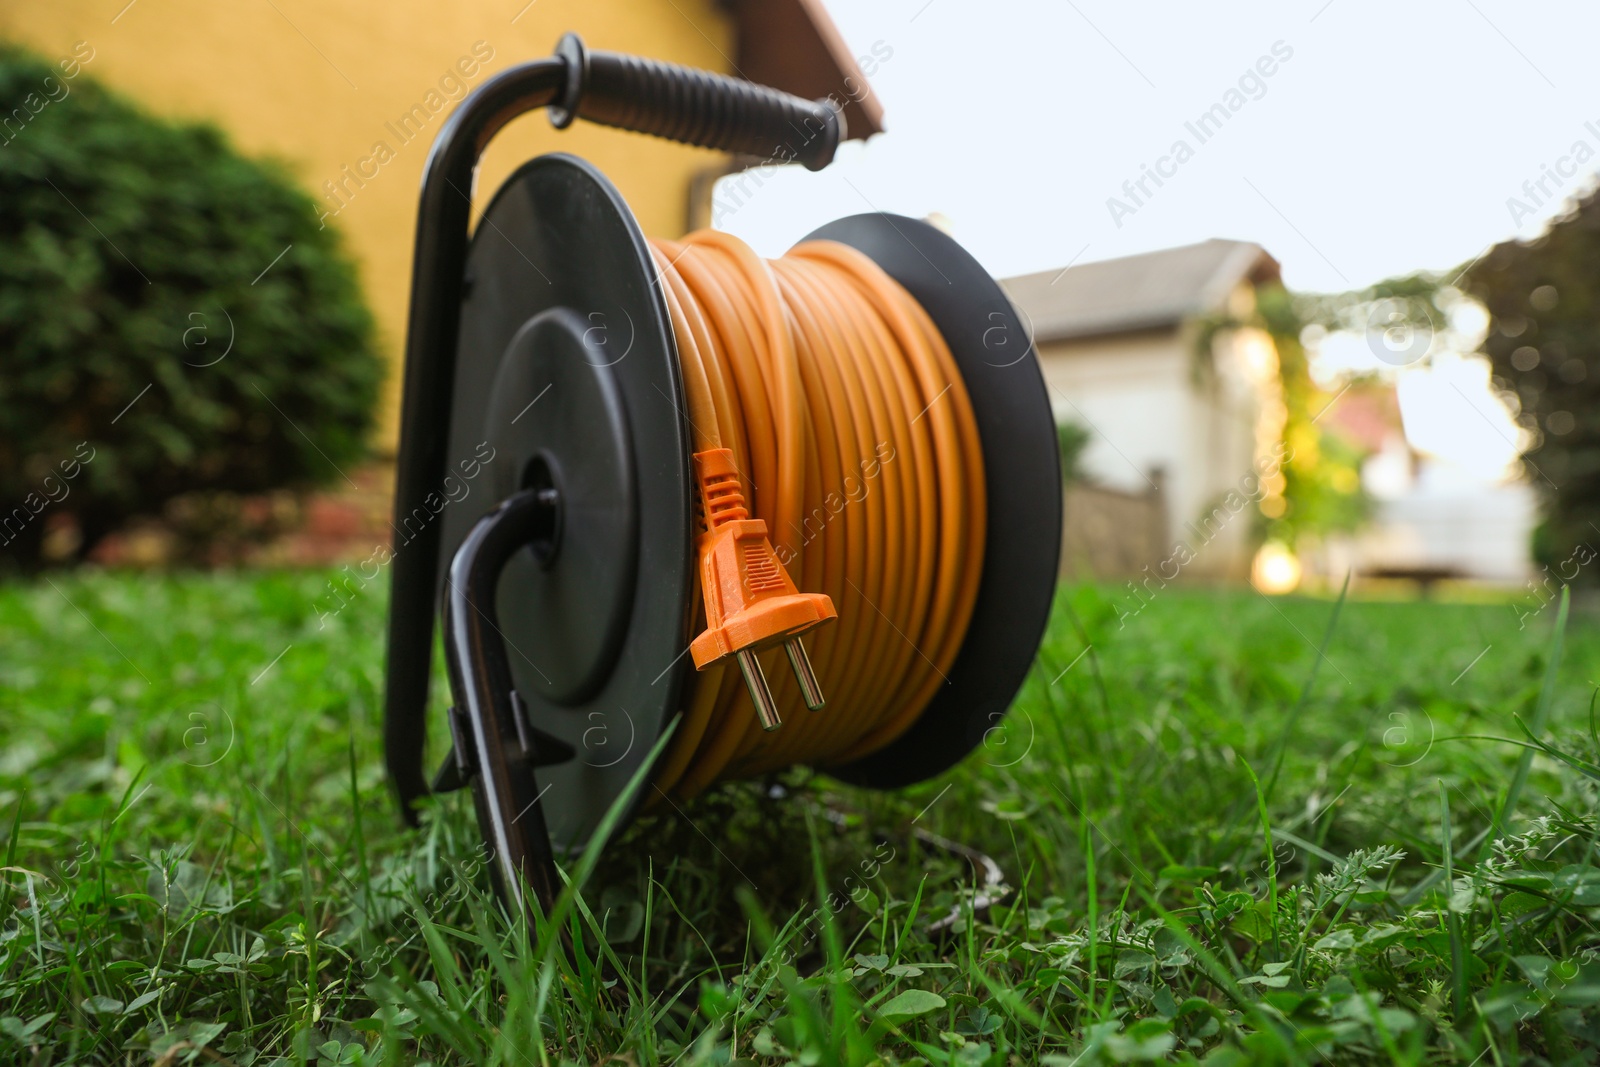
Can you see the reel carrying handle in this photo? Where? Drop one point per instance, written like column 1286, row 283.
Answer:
column 678, row 103
column 695, row 107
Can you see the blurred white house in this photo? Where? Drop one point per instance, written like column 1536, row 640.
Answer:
column 1183, row 416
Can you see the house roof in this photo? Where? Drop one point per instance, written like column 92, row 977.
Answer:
column 1150, row 291
column 793, row 45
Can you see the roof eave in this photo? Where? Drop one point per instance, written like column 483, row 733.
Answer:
column 1118, row 328
column 794, row 45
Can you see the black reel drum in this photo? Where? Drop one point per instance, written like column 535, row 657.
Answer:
column 543, row 373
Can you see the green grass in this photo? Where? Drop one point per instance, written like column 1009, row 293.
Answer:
column 1219, row 845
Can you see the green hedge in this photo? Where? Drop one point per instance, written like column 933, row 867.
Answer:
column 173, row 316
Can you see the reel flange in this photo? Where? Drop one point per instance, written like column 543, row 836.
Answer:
column 1022, row 476
column 568, row 371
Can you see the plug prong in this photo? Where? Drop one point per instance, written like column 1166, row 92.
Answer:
column 756, row 681
column 810, row 688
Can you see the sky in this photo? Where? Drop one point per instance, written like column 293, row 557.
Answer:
column 1362, row 140
column 1388, row 137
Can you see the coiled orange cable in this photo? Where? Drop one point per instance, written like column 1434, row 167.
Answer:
column 856, row 444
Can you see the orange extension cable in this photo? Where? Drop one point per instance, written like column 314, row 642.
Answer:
column 847, row 422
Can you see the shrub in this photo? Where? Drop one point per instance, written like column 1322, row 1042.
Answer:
column 173, row 317
column 1071, row 440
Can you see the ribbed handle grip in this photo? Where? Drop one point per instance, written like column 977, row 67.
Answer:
column 700, row 108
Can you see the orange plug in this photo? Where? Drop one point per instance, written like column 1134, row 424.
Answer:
column 751, row 603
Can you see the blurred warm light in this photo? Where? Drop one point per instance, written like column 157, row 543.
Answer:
column 1275, row 570
column 1257, row 355
column 1469, row 321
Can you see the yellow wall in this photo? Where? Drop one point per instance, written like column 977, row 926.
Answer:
column 313, row 83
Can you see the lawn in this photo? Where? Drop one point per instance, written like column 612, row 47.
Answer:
column 1217, row 844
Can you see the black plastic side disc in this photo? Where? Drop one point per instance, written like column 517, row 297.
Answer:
column 573, row 595
column 568, row 378
column 1021, row 466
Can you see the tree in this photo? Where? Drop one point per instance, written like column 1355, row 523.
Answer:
column 1322, row 475
column 1543, row 298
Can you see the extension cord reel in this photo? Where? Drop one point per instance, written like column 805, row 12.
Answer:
column 572, row 604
